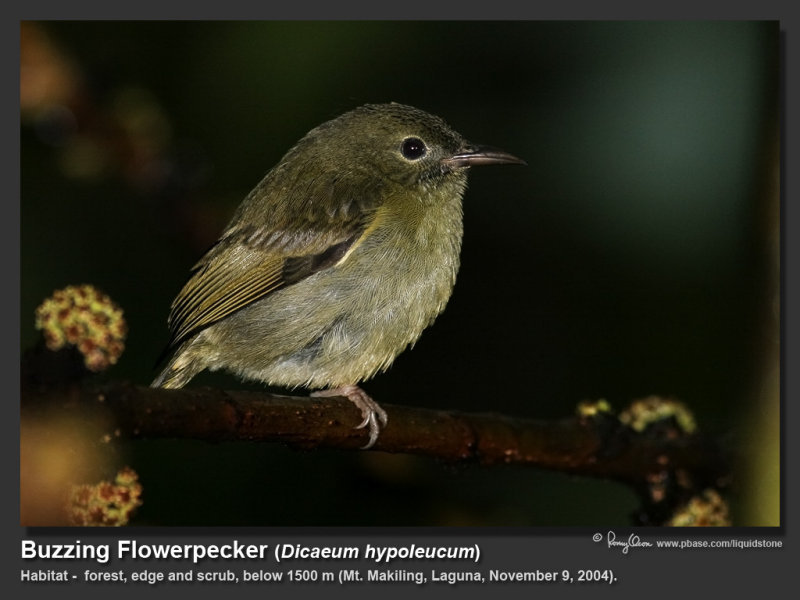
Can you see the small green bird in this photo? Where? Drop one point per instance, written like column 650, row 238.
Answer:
column 337, row 260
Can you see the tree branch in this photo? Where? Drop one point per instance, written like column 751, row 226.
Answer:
column 654, row 448
column 598, row 446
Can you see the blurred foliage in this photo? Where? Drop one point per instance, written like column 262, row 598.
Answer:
column 627, row 259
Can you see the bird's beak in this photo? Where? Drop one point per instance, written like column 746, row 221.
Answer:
column 480, row 155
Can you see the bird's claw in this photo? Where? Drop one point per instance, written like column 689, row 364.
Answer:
column 374, row 416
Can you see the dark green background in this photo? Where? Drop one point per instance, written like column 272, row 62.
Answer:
column 625, row 260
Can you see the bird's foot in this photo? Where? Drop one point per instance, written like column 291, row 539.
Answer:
column 373, row 414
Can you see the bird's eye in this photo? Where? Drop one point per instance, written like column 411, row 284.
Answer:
column 413, row 148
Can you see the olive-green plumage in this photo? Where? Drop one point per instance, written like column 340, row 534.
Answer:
column 336, row 261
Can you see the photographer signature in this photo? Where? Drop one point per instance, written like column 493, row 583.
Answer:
column 633, row 541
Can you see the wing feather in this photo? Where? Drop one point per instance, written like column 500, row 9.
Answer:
column 249, row 262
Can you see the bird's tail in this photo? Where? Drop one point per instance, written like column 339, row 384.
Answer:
column 178, row 372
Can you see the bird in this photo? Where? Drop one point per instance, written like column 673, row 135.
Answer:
column 335, row 262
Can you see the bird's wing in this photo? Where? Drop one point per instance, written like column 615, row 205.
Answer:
column 249, row 262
